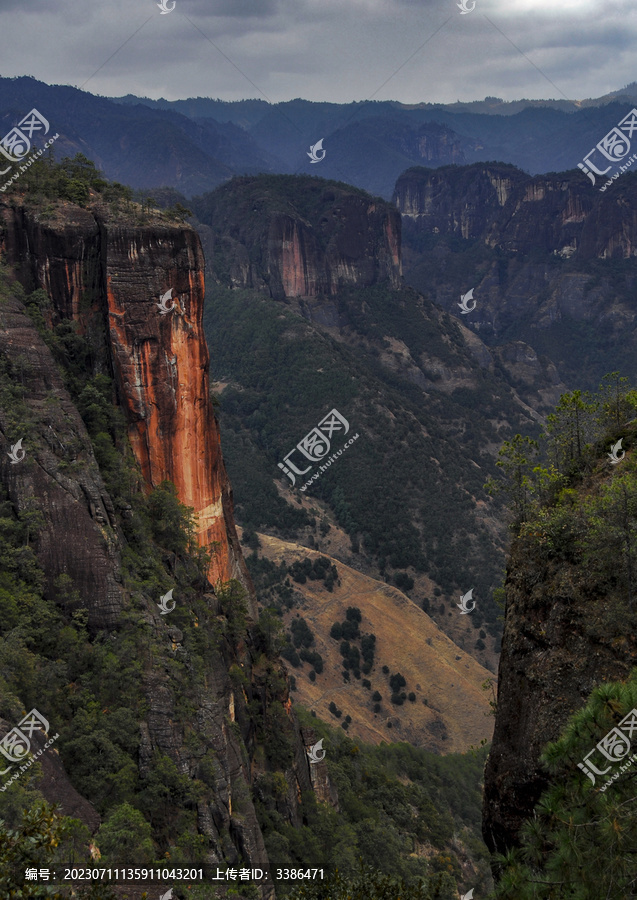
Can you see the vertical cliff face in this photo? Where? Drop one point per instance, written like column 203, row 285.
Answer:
column 109, row 279
column 466, row 201
column 59, row 474
column 161, row 364
column 503, row 207
column 564, row 634
column 294, row 237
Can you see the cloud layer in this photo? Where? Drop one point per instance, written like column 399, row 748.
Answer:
column 336, row 50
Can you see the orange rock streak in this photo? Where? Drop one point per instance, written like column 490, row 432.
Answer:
column 161, row 363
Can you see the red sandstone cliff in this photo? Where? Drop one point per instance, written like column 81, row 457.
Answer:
column 161, row 364
column 108, row 277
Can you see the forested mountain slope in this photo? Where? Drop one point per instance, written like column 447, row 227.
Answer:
column 305, row 314
column 175, row 737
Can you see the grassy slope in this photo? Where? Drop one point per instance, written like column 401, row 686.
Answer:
column 455, row 716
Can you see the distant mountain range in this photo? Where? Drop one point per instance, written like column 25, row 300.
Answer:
column 196, row 144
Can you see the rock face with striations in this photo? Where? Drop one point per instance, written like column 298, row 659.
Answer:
column 161, row 364
column 501, row 206
column 108, row 278
column 296, row 237
column 549, row 257
column 79, row 535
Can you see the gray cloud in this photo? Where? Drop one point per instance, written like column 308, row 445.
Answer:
column 337, row 50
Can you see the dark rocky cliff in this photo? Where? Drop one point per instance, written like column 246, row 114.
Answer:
column 502, row 206
column 565, row 632
column 80, row 532
column 299, row 237
column 551, row 260
column 105, row 275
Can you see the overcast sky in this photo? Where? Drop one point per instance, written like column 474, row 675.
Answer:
column 335, row 50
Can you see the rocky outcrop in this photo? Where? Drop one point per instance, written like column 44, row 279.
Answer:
column 466, row 201
column 549, row 258
column 323, row 788
column 556, row 648
column 536, row 380
column 54, row 785
column 108, row 277
column 58, row 474
column 294, row 237
column 503, row 207
column 433, row 143
column 161, row 364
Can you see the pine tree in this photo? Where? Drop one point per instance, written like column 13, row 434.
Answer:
column 581, row 842
column 516, row 462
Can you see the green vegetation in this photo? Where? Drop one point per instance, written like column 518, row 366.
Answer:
column 397, row 681
column 368, row 644
column 41, row 838
column 320, row 570
column 269, row 195
column 78, row 181
column 313, row 658
column 369, row 884
column 410, row 513
column 302, row 635
column 75, row 180
column 271, row 582
column 403, row 581
column 349, row 630
column 582, row 349
column 540, row 487
column 575, row 511
column 92, row 685
column 351, row 658
column 580, row 843
column 392, row 799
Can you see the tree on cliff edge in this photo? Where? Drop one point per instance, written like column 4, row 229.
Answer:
column 581, row 843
